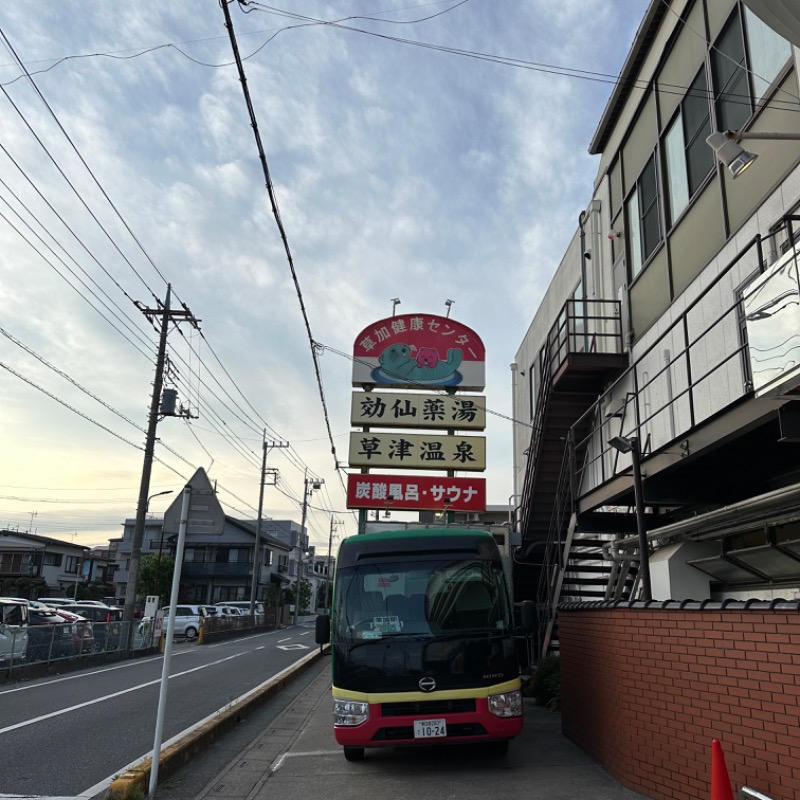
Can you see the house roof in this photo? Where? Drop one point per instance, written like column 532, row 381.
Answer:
column 44, row 541
column 249, row 527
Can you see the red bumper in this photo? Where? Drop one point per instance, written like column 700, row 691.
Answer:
column 474, row 726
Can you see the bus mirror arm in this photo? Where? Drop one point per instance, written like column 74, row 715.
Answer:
column 322, row 629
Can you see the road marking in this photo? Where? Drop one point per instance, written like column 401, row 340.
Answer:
column 111, row 696
column 287, row 647
column 101, row 786
column 314, row 753
column 126, row 665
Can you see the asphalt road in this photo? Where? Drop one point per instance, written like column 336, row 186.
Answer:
column 70, row 735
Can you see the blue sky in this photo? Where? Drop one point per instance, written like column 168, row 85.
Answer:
column 401, row 169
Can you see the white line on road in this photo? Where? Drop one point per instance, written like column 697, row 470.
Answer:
column 93, row 791
column 92, row 702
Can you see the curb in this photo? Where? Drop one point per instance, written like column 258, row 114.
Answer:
column 137, row 780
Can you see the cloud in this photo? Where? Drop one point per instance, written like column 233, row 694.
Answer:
column 398, row 171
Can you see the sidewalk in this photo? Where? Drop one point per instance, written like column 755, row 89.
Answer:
column 297, row 758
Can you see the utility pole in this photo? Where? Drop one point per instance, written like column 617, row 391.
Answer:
column 334, row 523
column 266, row 446
column 166, row 315
column 315, row 484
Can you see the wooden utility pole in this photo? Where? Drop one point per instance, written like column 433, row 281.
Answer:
column 266, row 446
column 166, row 316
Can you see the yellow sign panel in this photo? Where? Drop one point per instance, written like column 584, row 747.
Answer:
column 377, row 409
column 417, row 451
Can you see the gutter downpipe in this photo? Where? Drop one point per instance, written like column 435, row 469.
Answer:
column 581, row 220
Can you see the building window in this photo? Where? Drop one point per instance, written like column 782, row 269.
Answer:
column 240, row 555
column 729, row 73
column 644, row 228
column 689, row 159
column 52, row 559
column 734, row 96
column 768, row 52
column 267, row 557
column 74, row 563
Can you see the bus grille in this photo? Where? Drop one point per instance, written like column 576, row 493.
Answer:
column 428, row 708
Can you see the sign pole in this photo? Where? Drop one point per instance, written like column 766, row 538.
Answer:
column 173, row 603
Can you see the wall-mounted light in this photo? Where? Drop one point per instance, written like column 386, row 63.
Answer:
column 727, row 149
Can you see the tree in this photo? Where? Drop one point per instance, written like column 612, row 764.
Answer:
column 155, row 577
column 305, row 596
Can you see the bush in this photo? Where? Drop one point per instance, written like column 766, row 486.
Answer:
column 545, row 683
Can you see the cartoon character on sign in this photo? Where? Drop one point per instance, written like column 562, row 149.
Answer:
column 398, row 366
column 427, row 357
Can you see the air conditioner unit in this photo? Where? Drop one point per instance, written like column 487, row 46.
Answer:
column 473, row 516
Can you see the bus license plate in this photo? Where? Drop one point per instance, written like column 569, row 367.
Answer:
column 429, row 728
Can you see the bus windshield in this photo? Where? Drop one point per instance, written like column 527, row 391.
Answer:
column 430, row 597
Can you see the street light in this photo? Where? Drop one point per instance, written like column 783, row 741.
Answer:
column 630, row 444
column 727, row 149
column 395, row 303
column 157, row 494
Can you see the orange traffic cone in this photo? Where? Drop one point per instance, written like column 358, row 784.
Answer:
column 720, row 783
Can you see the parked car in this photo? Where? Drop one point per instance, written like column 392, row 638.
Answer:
column 106, row 623
column 52, row 602
column 81, row 630
column 13, row 630
column 188, row 619
column 49, row 635
column 230, row 611
column 243, row 605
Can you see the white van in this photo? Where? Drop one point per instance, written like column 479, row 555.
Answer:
column 242, row 605
column 13, row 630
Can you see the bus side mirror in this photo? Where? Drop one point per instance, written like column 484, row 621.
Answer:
column 322, row 629
column 528, row 616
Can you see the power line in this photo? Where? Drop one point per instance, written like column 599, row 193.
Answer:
column 276, row 214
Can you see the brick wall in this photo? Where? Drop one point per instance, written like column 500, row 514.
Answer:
column 644, row 690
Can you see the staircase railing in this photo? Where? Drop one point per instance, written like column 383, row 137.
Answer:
column 537, row 434
column 556, row 551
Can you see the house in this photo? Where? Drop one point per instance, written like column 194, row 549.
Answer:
column 655, row 391
column 218, row 549
column 28, row 557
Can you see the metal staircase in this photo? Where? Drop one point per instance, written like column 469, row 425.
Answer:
column 558, row 558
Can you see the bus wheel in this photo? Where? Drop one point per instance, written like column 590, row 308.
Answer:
column 354, row 753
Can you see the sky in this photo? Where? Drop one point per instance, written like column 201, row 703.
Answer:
column 422, row 151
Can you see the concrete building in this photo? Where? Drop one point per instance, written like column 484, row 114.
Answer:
column 665, row 348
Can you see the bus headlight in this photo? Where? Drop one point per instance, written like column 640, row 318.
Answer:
column 506, row 704
column 349, row 712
